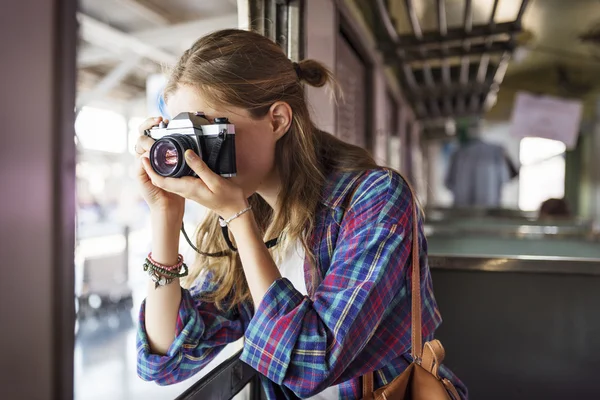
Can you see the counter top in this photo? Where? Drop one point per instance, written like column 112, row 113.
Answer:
column 525, row 264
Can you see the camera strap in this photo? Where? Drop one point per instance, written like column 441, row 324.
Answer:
column 216, row 148
column 271, row 243
column 225, row 231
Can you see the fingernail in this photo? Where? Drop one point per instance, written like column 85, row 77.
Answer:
column 157, row 118
column 190, row 155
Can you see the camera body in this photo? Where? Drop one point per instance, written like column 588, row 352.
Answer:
column 214, row 143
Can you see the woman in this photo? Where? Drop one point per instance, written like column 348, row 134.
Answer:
column 331, row 301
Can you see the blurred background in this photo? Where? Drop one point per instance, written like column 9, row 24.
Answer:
column 490, row 108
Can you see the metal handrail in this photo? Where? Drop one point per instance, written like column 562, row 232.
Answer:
column 524, row 231
column 520, row 264
column 445, row 212
column 225, row 381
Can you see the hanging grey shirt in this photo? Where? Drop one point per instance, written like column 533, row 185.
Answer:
column 476, row 174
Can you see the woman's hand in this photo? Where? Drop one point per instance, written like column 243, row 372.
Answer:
column 209, row 189
column 158, row 200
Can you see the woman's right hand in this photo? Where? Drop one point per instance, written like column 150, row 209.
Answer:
column 157, row 199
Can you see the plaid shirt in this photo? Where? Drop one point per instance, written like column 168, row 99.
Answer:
column 357, row 320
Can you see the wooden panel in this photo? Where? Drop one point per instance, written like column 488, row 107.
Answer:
column 392, row 115
column 391, row 137
column 351, row 73
column 321, row 30
column 549, row 323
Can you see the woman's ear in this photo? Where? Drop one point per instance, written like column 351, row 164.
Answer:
column 280, row 115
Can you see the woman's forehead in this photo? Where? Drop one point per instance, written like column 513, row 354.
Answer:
column 187, row 99
column 190, row 99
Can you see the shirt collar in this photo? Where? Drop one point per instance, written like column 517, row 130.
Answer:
column 337, row 187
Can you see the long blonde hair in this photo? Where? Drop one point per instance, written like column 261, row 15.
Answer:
column 247, row 70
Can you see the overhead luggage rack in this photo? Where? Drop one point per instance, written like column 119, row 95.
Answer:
column 449, row 72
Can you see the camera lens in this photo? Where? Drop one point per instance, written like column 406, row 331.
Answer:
column 165, row 158
column 167, row 155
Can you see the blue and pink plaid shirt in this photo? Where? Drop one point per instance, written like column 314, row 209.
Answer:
column 357, row 320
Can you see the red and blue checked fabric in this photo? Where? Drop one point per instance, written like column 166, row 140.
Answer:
column 357, row 319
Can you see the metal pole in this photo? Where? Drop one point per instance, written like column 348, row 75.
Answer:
column 279, row 20
column 464, row 62
column 446, row 78
column 409, row 75
column 416, row 28
column 270, row 19
column 295, row 30
column 503, row 64
column 519, row 19
column 484, row 61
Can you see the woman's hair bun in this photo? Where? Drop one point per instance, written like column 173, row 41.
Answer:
column 313, row 72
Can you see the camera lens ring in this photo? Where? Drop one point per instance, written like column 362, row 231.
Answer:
column 167, row 155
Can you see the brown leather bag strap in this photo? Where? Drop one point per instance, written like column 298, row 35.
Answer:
column 417, row 337
column 367, row 381
column 433, row 357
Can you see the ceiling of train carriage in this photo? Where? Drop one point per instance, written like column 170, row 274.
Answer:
column 548, row 46
column 452, row 56
column 122, row 42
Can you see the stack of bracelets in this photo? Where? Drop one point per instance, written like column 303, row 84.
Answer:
column 161, row 274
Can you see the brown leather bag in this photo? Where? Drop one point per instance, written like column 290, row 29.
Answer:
column 420, row 380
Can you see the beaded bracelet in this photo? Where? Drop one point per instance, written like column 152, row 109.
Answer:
column 163, row 275
column 167, row 267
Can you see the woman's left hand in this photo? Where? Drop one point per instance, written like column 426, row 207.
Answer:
column 209, row 189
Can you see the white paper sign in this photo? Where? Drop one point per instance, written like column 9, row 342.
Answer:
column 546, row 117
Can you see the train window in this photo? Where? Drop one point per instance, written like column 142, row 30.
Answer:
column 101, row 130
column 113, row 235
column 123, row 51
column 542, row 173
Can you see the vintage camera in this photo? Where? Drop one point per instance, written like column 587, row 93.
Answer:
column 214, row 143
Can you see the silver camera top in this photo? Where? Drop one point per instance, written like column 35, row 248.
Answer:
column 187, row 123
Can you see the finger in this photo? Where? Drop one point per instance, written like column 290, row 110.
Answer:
column 188, row 187
column 197, row 189
column 141, row 174
column 143, row 145
column 211, row 179
column 155, row 178
column 149, row 123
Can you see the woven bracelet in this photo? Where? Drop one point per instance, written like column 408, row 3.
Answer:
column 149, row 265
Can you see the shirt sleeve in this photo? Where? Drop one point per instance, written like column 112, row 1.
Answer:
column 307, row 345
column 202, row 331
